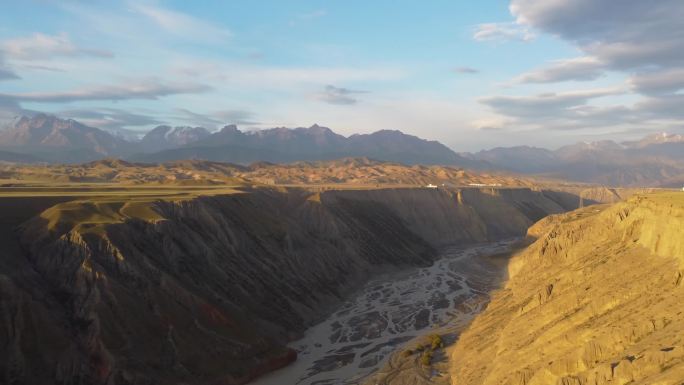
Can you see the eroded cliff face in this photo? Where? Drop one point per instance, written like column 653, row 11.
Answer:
column 597, row 299
column 208, row 290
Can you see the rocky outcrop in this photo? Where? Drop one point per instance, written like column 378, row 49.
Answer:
column 595, row 300
column 601, row 194
column 208, row 290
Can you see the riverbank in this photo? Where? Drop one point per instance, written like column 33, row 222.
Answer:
column 390, row 312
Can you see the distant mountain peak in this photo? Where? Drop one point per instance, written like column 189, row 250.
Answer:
column 54, row 138
column 317, row 128
column 655, row 139
column 232, row 128
column 165, row 137
column 664, row 137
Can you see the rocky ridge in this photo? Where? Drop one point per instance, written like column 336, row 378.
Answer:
column 351, row 171
column 595, row 300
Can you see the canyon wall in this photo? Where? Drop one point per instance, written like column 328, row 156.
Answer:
column 597, row 299
column 208, row 290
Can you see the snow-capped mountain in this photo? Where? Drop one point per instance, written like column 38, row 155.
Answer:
column 659, row 138
column 164, row 137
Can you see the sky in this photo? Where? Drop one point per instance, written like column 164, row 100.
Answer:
column 472, row 75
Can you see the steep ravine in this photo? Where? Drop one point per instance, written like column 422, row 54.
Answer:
column 596, row 300
column 208, row 290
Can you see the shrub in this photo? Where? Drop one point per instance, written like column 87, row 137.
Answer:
column 426, row 358
column 436, row 341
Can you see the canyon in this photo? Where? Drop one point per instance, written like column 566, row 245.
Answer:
column 209, row 273
column 210, row 288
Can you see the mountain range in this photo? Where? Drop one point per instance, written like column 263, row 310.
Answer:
column 284, row 145
column 656, row 160
column 50, row 139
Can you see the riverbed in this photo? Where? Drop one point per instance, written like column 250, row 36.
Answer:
column 390, row 310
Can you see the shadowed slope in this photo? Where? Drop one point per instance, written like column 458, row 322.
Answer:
column 208, row 289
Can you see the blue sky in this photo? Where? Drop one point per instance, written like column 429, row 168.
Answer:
column 469, row 74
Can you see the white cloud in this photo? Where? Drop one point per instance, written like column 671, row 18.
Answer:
column 580, row 69
column 183, row 25
column 271, row 77
column 544, row 105
column 502, row 32
column 40, row 46
column 215, row 119
column 490, row 123
column 113, row 119
column 141, row 89
column 6, row 73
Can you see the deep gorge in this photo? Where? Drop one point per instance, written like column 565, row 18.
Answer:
column 210, row 289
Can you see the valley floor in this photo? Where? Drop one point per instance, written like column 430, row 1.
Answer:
column 389, row 312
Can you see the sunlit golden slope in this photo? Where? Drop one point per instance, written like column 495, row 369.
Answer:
column 353, row 171
column 597, row 299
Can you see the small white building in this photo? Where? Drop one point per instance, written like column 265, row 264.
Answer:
column 430, row 185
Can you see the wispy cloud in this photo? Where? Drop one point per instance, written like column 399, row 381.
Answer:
column 570, row 110
column 489, row 124
column 466, row 70
column 7, row 74
column 307, row 16
column 39, row 67
column 182, row 24
column 337, row 95
column 543, row 105
column 313, row 14
column 578, row 69
column 260, row 76
column 40, row 46
column 10, row 109
column 501, row 32
column 658, row 82
column 113, row 119
column 216, row 118
column 145, row 89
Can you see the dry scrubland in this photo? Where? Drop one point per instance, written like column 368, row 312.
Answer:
column 351, row 171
